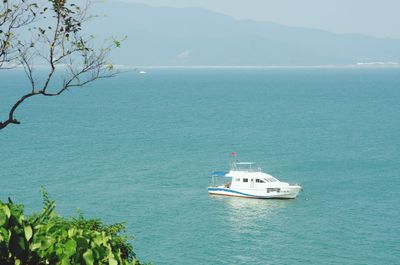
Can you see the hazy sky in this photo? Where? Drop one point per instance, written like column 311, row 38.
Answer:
column 371, row 17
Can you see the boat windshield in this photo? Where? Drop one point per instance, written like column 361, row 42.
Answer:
column 245, row 166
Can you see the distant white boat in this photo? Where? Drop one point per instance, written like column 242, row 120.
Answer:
column 142, row 72
column 245, row 179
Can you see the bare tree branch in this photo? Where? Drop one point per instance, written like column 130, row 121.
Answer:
column 58, row 41
column 14, row 15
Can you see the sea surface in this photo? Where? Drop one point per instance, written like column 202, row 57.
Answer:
column 139, row 148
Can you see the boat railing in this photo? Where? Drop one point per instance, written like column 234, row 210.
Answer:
column 245, row 166
column 219, row 178
column 294, row 184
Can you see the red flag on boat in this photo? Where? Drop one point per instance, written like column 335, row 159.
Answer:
column 233, row 153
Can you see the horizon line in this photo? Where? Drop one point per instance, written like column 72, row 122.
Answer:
column 359, row 65
column 372, row 65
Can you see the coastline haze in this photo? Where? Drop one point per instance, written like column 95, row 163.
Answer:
column 371, row 17
column 170, row 36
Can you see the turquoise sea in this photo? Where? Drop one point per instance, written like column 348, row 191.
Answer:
column 139, row 148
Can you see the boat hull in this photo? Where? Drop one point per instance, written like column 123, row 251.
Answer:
column 289, row 193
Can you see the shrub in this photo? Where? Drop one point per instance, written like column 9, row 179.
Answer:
column 48, row 238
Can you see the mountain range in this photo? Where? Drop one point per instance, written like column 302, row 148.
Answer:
column 166, row 36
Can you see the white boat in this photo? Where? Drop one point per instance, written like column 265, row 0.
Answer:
column 245, row 179
column 142, row 72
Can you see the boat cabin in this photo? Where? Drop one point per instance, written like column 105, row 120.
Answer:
column 244, row 175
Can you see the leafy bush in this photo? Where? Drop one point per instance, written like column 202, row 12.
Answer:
column 47, row 238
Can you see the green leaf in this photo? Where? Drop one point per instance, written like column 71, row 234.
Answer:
column 28, row 232
column 6, row 210
column 65, row 261
column 4, row 235
column 70, row 247
column 112, row 261
column 117, row 43
column 35, row 246
column 3, row 217
column 71, row 232
column 21, row 219
column 110, row 67
column 46, row 242
column 88, row 257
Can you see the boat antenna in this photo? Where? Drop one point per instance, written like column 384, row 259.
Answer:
column 234, row 157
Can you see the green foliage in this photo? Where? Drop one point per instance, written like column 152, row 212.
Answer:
column 48, row 238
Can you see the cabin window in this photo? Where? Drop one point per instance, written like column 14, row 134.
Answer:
column 260, row 181
column 245, row 180
column 237, row 179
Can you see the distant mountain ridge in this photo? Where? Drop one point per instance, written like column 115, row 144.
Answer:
column 195, row 36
